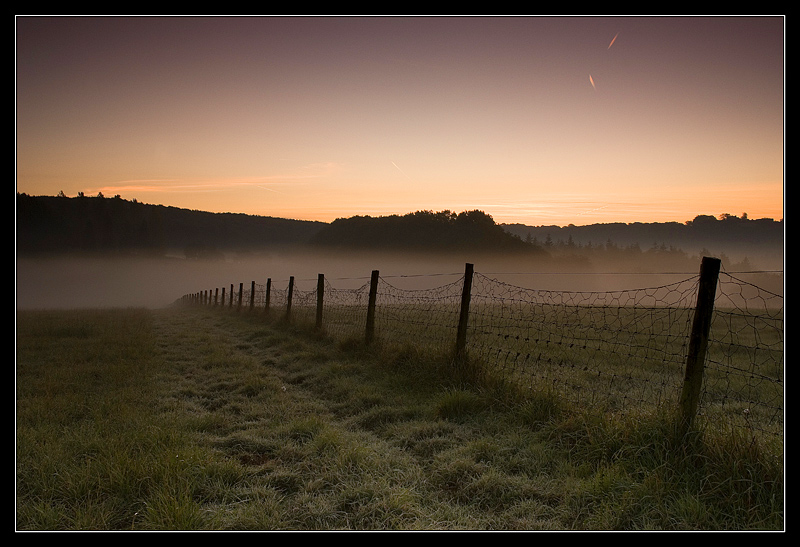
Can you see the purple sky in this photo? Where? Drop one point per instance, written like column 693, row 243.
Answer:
column 534, row 120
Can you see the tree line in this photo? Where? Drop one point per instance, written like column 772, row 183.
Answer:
column 60, row 224
column 703, row 230
column 442, row 231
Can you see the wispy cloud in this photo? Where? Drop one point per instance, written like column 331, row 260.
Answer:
column 299, row 175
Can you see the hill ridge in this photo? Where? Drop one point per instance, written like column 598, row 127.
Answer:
column 53, row 224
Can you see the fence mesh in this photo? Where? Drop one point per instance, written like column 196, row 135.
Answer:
column 618, row 351
column 426, row 318
column 744, row 373
column 345, row 312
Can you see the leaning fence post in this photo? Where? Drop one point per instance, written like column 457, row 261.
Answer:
column 698, row 342
column 289, row 298
column 373, row 293
column 461, row 335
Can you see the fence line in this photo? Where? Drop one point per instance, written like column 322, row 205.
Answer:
column 710, row 345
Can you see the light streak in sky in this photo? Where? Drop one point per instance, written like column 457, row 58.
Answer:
column 401, row 171
column 270, row 189
column 614, row 39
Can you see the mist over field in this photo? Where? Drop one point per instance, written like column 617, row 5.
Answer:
column 110, row 252
column 153, row 282
column 80, row 281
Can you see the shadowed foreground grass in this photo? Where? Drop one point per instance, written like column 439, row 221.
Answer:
column 200, row 420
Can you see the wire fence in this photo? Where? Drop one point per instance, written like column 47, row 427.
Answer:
column 617, row 349
column 622, row 351
column 744, row 371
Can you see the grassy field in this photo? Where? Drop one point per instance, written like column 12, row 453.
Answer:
column 203, row 419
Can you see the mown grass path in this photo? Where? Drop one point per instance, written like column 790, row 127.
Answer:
column 212, row 420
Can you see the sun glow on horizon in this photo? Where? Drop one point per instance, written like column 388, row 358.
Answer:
column 277, row 200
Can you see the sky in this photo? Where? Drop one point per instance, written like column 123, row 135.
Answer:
column 533, row 120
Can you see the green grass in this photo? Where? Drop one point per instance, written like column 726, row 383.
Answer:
column 203, row 419
column 616, row 358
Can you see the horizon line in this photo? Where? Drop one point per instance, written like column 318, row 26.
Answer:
column 297, row 219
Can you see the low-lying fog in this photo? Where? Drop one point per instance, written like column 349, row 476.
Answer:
column 88, row 282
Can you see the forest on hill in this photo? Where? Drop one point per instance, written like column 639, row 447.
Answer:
column 53, row 224
column 62, row 225
column 703, row 230
column 443, row 231
column 740, row 241
column 59, row 224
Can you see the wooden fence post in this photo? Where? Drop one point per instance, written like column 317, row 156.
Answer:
column 216, row 295
column 230, row 302
column 369, row 334
column 252, row 295
column 320, row 295
column 222, row 300
column 289, row 299
column 698, row 342
column 266, row 297
column 239, row 300
column 461, row 335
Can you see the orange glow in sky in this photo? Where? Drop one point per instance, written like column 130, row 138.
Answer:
column 534, row 120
